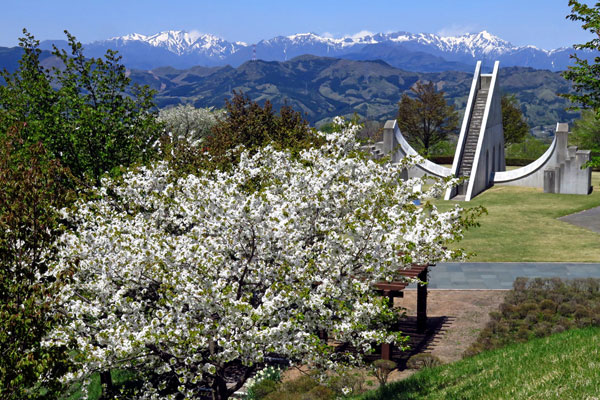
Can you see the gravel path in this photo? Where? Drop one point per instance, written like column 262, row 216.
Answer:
column 489, row 275
column 589, row 219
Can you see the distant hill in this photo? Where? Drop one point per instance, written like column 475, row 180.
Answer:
column 323, row 87
column 10, row 56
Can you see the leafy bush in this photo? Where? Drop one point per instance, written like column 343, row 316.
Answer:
column 263, row 383
column 32, row 189
column 85, row 111
column 254, row 126
column 243, row 124
column 540, row 307
column 423, row 360
column 309, row 387
column 306, row 387
column 382, row 370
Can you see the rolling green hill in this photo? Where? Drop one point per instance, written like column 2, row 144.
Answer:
column 561, row 366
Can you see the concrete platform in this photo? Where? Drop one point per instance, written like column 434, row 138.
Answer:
column 475, row 275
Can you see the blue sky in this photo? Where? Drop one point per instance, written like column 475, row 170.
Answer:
column 538, row 22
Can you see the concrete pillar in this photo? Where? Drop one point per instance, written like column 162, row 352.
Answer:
column 584, row 176
column 549, row 180
column 389, row 137
column 562, row 133
column 559, row 172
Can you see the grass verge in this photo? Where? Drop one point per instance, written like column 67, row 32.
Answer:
column 521, row 225
column 561, row 366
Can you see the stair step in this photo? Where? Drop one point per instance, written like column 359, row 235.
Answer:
column 472, row 139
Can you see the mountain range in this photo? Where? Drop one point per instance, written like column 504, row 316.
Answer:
column 324, row 77
column 422, row 52
column 323, row 87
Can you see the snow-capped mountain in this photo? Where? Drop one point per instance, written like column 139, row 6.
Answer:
column 421, row 51
column 182, row 43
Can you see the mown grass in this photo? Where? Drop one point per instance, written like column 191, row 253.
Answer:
column 522, row 225
column 561, row 366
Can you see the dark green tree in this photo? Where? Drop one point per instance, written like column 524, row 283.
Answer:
column 586, row 132
column 33, row 188
column 85, row 112
column 425, row 118
column 249, row 124
column 513, row 121
column 585, row 75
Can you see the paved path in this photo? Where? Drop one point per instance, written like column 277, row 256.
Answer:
column 589, row 219
column 502, row 275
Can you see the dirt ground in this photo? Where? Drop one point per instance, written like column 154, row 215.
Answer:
column 466, row 313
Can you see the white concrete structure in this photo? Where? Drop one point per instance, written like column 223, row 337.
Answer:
column 558, row 170
column 480, row 158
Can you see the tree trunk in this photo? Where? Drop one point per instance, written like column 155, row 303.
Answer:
column 219, row 387
column 107, row 385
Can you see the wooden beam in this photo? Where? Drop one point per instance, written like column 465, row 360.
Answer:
column 422, row 302
column 386, row 351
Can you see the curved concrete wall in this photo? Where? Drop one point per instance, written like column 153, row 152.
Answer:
column 558, row 170
column 404, row 149
column 531, row 174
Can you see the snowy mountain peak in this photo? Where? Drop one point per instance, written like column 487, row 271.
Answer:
column 184, row 43
column 195, row 48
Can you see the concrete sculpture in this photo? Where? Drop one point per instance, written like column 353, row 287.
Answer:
column 480, row 158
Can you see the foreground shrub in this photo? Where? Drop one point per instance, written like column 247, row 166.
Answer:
column 32, row 187
column 382, row 370
column 264, row 382
column 423, row 360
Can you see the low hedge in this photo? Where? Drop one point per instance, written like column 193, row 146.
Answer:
column 540, row 307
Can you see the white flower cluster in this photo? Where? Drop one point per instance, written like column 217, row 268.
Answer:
column 185, row 122
column 188, row 278
column 270, row 372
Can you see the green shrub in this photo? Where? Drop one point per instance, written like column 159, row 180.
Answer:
column 423, row 360
column 382, row 370
column 549, row 305
column 85, row 111
column 304, row 388
column 263, row 383
column 261, row 389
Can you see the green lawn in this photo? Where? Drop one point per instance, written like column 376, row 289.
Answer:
column 522, row 225
column 561, row 366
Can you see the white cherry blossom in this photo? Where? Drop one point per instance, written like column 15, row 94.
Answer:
column 193, row 282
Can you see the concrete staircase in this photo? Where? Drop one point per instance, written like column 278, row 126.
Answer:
column 468, row 155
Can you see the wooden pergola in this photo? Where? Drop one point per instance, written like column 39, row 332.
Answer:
column 395, row 289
